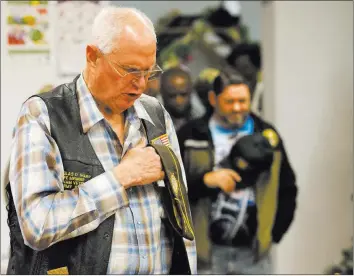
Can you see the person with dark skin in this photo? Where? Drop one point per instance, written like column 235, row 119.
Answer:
column 176, row 93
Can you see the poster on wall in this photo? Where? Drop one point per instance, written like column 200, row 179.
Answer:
column 27, row 27
column 72, row 32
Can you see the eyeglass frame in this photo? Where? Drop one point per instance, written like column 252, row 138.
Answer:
column 135, row 72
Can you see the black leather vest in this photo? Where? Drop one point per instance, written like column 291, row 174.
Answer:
column 88, row 253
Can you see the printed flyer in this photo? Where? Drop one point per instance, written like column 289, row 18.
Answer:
column 27, row 24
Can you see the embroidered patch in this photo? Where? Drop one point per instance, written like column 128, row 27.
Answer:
column 59, row 271
column 241, row 163
column 74, row 179
column 271, row 136
column 161, row 140
column 174, row 183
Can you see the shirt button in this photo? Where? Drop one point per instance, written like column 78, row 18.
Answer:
column 139, row 222
column 144, row 257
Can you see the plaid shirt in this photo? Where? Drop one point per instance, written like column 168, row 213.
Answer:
column 46, row 211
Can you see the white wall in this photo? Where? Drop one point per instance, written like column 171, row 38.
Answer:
column 251, row 17
column 308, row 65
column 21, row 77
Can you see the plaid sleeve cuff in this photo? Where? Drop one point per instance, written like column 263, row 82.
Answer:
column 107, row 195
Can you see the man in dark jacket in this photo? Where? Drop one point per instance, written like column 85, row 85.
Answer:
column 246, row 216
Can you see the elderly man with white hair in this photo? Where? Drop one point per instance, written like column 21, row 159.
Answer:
column 87, row 191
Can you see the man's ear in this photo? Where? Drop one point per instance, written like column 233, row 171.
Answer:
column 92, row 54
column 212, row 98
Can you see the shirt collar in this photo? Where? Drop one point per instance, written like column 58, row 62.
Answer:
column 91, row 115
column 140, row 111
column 247, row 127
column 89, row 112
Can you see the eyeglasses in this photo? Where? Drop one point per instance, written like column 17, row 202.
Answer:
column 151, row 74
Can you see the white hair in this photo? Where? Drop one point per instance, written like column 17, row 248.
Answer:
column 110, row 22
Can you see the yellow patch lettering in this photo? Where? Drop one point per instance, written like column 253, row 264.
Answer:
column 74, row 179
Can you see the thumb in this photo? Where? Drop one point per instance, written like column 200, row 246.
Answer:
column 141, row 143
column 235, row 176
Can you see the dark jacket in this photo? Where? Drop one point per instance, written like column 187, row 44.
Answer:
column 197, row 151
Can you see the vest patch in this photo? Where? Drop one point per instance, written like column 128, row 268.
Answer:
column 74, row 179
column 161, row 140
column 59, row 271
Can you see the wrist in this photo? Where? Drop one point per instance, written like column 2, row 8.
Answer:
column 122, row 177
column 207, row 179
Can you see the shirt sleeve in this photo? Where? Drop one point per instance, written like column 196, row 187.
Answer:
column 46, row 212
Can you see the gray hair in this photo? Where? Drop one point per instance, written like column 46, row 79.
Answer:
column 109, row 24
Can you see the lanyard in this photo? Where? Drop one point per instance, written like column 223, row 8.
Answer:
column 234, row 229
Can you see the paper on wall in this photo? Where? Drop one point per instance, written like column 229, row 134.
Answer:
column 72, row 32
column 27, row 27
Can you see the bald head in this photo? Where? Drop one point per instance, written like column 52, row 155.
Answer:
column 115, row 25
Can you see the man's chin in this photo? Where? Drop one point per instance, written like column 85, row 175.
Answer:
column 236, row 123
column 179, row 113
column 121, row 106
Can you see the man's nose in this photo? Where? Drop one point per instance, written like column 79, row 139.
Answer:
column 141, row 81
column 237, row 107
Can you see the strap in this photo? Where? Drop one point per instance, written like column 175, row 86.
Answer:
column 267, row 202
column 240, row 216
column 156, row 113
